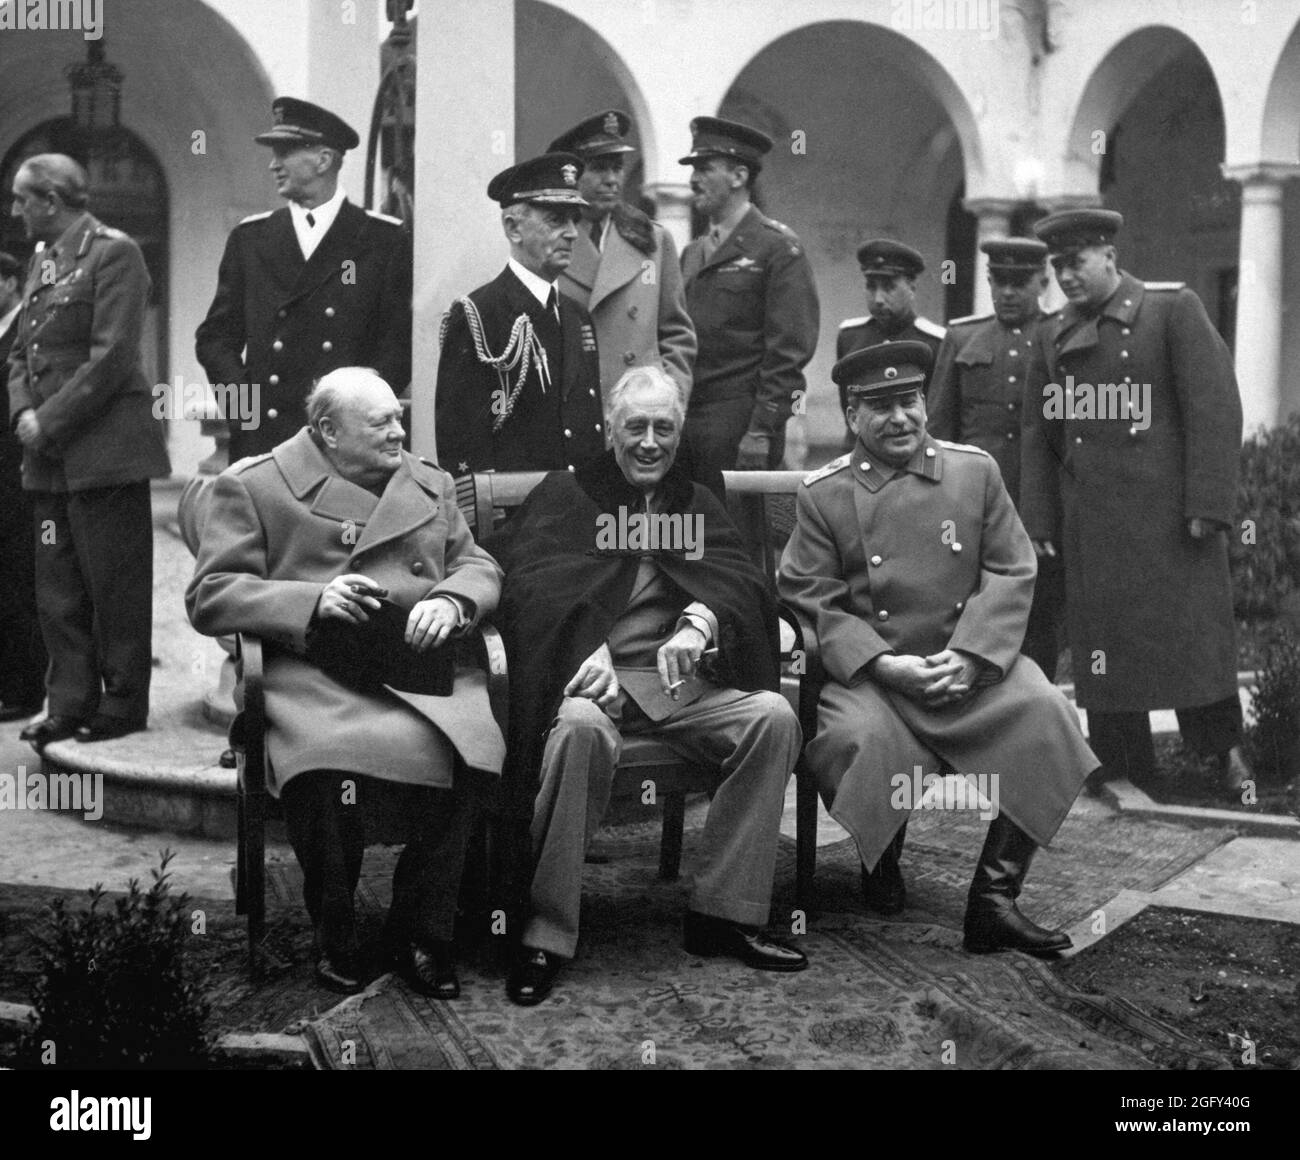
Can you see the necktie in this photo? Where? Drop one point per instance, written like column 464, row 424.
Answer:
column 553, row 305
column 311, row 221
column 597, row 229
column 711, row 243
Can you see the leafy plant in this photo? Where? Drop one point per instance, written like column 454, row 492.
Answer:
column 1275, row 735
column 114, row 990
column 1265, row 555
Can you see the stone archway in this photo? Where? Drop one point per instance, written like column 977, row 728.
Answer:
column 841, row 172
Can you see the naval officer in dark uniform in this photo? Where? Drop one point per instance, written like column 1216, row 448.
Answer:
column 751, row 295
column 519, row 376
column 316, row 285
column 84, row 413
column 977, row 394
column 1130, row 469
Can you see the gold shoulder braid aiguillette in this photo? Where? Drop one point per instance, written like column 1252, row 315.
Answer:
column 522, row 349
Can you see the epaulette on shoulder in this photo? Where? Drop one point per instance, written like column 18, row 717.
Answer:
column 1165, row 285
column 855, row 322
column 925, row 326
column 384, row 217
column 968, row 319
column 779, row 227
column 104, row 231
column 963, row 447
column 256, row 217
column 827, row 469
column 242, row 465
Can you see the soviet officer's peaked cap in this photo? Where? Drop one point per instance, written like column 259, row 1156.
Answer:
column 551, row 179
column 303, row 123
column 598, row 136
column 886, row 256
column 1076, row 229
column 889, row 368
column 714, row 137
column 1015, row 255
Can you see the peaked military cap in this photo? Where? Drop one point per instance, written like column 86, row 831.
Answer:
column 714, row 137
column 307, row 124
column 1074, row 229
column 551, row 179
column 1015, row 255
column 598, row 136
column 889, row 368
column 884, row 256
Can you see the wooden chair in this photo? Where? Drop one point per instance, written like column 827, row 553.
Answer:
column 488, row 498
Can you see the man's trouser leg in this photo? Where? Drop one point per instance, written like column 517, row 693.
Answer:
column 1045, row 631
column 326, row 826
column 22, row 650
column 578, row 766
column 426, row 882
column 112, row 528
column 1214, row 728
column 65, row 610
column 1122, row 741
column 753, row 740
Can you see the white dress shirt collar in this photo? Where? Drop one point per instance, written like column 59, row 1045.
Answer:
column 309, row 236
column 540, row 288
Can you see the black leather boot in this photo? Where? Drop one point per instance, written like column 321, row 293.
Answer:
column 883, row 888
column 993, row 922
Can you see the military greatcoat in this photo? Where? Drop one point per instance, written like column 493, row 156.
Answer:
column 916, row 561
column 1148, row 608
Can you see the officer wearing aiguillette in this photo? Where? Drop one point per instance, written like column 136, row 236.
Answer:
column 890, row 270
column 751, row 294
column 316, row 285
column 977, row 394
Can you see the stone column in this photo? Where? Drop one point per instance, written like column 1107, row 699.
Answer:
column 994, row 216
column 1259, row 290
column 674, row 204
column 464, row 135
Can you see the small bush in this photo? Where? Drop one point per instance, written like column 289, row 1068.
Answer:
column 113, row 989
column 1275, row 734
column 1267, row 570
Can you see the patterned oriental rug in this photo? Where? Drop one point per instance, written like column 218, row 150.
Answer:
column 878, row 995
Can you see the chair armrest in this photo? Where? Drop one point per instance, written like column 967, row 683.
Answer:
column 249, row 730
column 482, row 646
column 808, row 666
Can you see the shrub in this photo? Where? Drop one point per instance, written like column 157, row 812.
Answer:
column 1267, row 570
column 1275, row 735
column 114, row 990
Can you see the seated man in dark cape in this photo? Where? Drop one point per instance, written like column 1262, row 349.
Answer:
column 618, row 579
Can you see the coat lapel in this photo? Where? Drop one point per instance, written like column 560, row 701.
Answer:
column 338, row 244
column 284, row 257
column 409, row 500
column 620, row 262
column 584, row 268
column 737, row 241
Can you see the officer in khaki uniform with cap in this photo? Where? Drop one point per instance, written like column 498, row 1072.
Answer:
column 977, row 392
column 751, row 294
column 910, row 560
column 1130, row 470
column 890, row 270
column 81, row 407
column 519, row 376
column 624, row 270
column 316, row 285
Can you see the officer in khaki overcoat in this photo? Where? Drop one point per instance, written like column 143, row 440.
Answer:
column 83, row 410
column 1130, row 470
column 909, row 558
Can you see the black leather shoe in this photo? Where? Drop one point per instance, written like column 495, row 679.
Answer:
column 708, row 936
column 18, row 712
column 533, row 976
column 430, row 968
column 101, row 728
column 339, row 974
column 988, row 931
column 50, row 729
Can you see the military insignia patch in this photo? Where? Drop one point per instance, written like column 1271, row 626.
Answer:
column 570, row 173
column 588, row 338
column 829, row 469
column 611, row 125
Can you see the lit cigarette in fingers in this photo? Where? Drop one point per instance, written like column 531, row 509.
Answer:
column 676, row 685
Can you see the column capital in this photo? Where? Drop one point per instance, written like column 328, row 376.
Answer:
column 991, row 206
column 1261, row 172
column 674, row 194
column 1061, row 202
